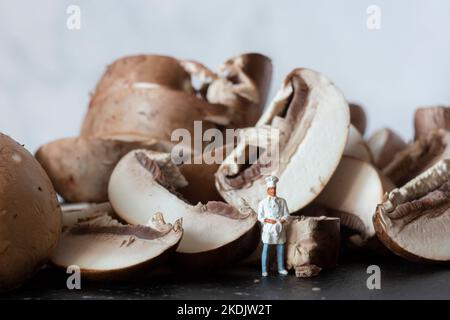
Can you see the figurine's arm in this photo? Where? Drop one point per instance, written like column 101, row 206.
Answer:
column 285, row 212
column 261, row 212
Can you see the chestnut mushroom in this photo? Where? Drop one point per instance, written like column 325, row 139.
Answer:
column 105, row 249
column 79, row 168
column 418, row 156
column 430, row 118
column 157, row 70
column 414, row 220
column 150, row 112
column 352, row 194
column 312, row 119
column 384, row 145
column 30, row 215
column 74, row 213
column 358, row 117
column 243, row 83
column 356, row 146
column 215, row 234
column 135, row 96
column 312, row 244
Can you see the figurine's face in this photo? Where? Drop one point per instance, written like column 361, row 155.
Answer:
column 272, row 191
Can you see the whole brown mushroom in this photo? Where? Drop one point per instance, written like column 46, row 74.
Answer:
column 30, row 215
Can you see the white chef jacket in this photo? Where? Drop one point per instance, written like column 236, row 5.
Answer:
column 273, row 208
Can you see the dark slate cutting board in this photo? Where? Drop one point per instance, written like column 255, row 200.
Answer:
column 399, row 280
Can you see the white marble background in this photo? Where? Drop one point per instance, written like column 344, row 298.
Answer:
column 47, row 71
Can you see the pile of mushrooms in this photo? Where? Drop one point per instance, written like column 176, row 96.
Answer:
column 130, row 209
column 349, row 177
column 123, row 154
column 139, row 102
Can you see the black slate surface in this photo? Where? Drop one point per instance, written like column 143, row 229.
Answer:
column 399, row 280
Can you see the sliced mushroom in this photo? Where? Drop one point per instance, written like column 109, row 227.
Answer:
column 215, row 233
column 30, row 215
column 356, row 146
column 146, row 102
column 105, row 249
column 384, row 145
column 80, row 212
column 353, row 193
column 312, row 118
column 358, row 117
column 312, row 244
column 418, row 156
column 431, row 118
column 80, row 167
column 244, row 86
column 414, row 220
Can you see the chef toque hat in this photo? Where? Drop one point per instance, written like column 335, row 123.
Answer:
column 271, row 181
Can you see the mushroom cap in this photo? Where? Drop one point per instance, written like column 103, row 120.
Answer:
column 80, row 167
column 418, row 156
column 243, row 84
column 153, row 112
column 151, row 69
column 358, row 117
column 427, row 119
column 30, row 215
column 384, row 144
column 105, row 249
column 414, row 220
column 353, row 193
column 356, row 146
column 313, row 120
column 139, row 186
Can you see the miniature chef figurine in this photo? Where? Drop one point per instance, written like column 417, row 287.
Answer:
column 274, row 215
